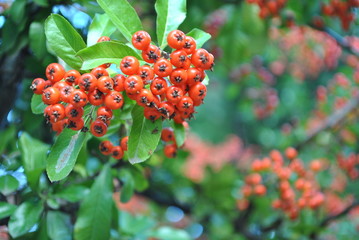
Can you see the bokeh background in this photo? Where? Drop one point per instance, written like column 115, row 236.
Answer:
column 288, row 79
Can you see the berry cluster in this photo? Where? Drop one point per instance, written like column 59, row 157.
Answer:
column 168, row 87
column 268, row 8
column 297, row 187
column 175, row 84
column 168, row 136
column 67, row 93
column 117, row 152
column 349, row 165
column 342, row 10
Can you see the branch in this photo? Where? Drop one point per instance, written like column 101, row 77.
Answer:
column 332, row 120
column 326, row 221
column 341, row 41
column 329, row 219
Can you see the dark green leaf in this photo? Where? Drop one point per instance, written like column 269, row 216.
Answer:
column 41, row 233
column 135, row 224
column 8, row 184
column 7, row 135
column 58, row 226
column 169, row 233
column 73, row 193
column 37, row 39
column 128, row 185
column 100, row 26
column 141, row 183
column 105, row 52
column 94, row 219
column 200, row 36
column 42, row 3
column 64, row 40
column 24, row 218
column 180, row 133
column 144, row 136
column 6, row 209
column 170, row 14
column 37, row 105
column 33, row 154
column 64, row 153
column 123, row 16
column 17, row 10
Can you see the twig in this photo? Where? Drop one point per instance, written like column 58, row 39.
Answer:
column 332, row 120
column 342, row 41
column 331, row 218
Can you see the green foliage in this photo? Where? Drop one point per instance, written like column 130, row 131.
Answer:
column 63, row 154
column 123, row 16
column 33, row 153
column 104, row 52
column 61, row 187
column 170, row 14
column 94, row 219
column 64, row 40
column 24, row 218
column 144, row 136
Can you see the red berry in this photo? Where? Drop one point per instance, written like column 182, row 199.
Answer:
column 114, row 100
column 106, row 147
column 72, row 77
column 162, row 67
column 55, row 72
column 141, row 40
column 51, row 95
column 78, row 98
column 98, row 128
column 129, row 65
column 117, row 152
column 87, row 82
column 133, row 84
column 38, row 85
column 176, row 39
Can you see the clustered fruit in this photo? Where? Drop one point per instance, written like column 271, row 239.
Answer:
column 342, row 10
column 168, row 86
column 297, row 186
column 349, row 165
column 268, row 8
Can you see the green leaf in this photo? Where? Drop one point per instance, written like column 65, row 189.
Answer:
column 64, row 40
column 58, row 225
column 123, row 16
column 128, row 185
column 17, row 10
column 180, row 133
column 170, row 14
column 105, row 52
column 37, row 40
column 41, row 233
column 6, row 209
column 42, row 3
column 100, row 26
column 7, row 135
column 24, row 218
column 33, row 154
column 144, row 136
column 135, row 224
column 64, row 153
column 8, row 184
column 37, row 105
column 200, row 36
column 73, row 193
column 168, row 233
column 94, row 219
column 141, row 183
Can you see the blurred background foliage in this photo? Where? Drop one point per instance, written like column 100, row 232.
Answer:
column 275, row 84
